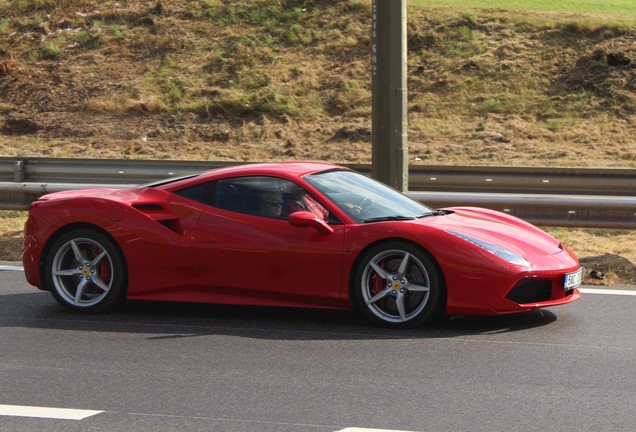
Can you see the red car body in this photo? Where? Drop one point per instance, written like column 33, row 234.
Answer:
column 173, row 247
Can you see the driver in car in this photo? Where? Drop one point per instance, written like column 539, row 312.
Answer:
column 302, row 201
column 271, row 204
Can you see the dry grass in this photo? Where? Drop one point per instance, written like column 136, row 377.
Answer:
column 11, row 229
column 609, row 256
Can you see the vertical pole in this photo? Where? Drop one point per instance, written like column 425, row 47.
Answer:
column 388, row 68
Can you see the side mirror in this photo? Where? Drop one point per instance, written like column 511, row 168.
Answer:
column 307, row 219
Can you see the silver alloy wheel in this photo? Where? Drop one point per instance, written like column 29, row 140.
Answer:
column 82, row 272
column 395, row 286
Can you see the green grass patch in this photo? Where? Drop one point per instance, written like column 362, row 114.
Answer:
column 4, row 25
column 617, row 8
column 51, row 49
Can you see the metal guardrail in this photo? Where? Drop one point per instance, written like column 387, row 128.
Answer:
column 603, row 198
column 580, row 181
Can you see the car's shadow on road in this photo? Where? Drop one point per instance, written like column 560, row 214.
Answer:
column 168, row 320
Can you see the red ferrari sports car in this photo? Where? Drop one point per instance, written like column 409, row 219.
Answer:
column 298, row 234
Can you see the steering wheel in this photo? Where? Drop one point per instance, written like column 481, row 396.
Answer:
column 358, row 209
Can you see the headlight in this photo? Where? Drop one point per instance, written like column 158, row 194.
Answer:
column 502, row 253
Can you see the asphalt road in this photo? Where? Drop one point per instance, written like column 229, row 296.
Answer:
column 174, row 367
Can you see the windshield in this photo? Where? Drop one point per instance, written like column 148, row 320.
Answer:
column 364, row 199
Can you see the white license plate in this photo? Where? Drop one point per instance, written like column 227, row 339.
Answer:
column 573, row 280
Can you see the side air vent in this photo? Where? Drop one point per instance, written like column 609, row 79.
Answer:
column 148, row 207
column 160, row 215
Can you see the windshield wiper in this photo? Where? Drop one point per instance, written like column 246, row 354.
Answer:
column 388, row 218
column 435, row 213
column 401, row 218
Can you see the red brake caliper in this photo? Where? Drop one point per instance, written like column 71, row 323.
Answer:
column 104, row 269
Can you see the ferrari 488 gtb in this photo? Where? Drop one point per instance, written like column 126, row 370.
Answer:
column 298, row 234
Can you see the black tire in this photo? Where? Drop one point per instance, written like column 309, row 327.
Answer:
column 398, row 285
column 85, row 271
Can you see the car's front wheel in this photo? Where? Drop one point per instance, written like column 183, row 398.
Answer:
column 85, row 271
column 398, row 285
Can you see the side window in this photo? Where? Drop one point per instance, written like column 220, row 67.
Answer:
column 222, row 194
column 204, row 193
column 257, row 195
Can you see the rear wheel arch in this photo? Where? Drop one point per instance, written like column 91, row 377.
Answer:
column 86, row 230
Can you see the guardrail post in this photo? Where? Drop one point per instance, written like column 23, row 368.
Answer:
column 18, row 173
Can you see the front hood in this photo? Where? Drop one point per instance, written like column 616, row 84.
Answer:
column 499, row 229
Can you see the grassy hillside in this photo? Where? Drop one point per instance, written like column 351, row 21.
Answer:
column 264, row 79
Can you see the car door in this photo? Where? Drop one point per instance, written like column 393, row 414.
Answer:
column 247, row 257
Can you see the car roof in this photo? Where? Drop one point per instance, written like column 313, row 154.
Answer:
column 291, row 168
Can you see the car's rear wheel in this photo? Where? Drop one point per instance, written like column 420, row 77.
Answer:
column 85, row 271
column 398, row 285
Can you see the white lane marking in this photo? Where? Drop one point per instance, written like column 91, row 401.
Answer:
column 11, row 267
column 356, row 429
column 46, row 412
column 79, row 414
column 607, row 291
